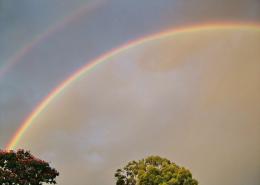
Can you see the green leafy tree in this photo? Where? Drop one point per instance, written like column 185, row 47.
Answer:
column 22, row 168
column 154, row 170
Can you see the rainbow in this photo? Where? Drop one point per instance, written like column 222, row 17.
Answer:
column 105, row 57
column 46, row 34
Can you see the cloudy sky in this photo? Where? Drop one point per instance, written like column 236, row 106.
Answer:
column 192, row 98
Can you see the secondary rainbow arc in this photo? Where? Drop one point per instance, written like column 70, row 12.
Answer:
column 11, row 62
column 105, row 57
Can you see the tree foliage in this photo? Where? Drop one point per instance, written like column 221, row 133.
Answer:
column 22, row 168
column 154, row 170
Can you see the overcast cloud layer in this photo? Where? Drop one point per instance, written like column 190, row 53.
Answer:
column 101, row 28
column 192, row 98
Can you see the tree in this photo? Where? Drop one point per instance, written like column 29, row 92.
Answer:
column 22, row 168
column 154, row 170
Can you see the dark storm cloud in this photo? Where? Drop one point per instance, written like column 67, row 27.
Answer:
column 21, row 21
column 20, row 24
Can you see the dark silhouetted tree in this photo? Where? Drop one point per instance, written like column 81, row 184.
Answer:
column 22, row 168
column 154, row 170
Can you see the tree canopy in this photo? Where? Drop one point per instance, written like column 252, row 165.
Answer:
column 154, row 170
column 22, row 168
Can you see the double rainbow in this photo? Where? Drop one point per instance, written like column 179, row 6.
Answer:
column 105, row 57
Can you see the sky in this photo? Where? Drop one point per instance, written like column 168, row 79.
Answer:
column 182, row 97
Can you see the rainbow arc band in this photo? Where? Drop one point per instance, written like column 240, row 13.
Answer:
column 105, row 57
column 76, row 15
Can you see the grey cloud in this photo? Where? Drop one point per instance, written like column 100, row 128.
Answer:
column 106, row 27
column 202, row 113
